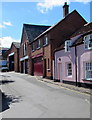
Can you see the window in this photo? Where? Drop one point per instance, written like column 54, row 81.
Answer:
column 45, row 40
column 88, row 42
column 88, row 70
column 69, row 69
column 67, row 45
column 38, row 44
column 33, row 47
column 24, row 49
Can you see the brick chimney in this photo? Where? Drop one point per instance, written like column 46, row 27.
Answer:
column 65, row 9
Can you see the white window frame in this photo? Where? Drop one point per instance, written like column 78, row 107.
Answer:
column 87, row 40
column 68, row 70
column 67, row 45
column 88, row 68
column 38, row 44
column 45, row 40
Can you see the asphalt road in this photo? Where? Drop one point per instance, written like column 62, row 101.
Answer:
column 26, row 97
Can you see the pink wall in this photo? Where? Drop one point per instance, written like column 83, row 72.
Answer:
column 66, row 57
column 83, row 56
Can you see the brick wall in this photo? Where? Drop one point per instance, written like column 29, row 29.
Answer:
column 16, row 57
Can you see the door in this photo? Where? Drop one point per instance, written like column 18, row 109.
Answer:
column 11, row 63
column 22, row 67
column 26, row 66
column 45, row 69
column 38, row 66
column 60, row 72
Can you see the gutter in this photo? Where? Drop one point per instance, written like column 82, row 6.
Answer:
column 76, row 66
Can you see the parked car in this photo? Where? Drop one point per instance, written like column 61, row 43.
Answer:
column 3, row 66
column 4, row 69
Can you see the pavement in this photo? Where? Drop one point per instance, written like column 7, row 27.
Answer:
column 67, row 86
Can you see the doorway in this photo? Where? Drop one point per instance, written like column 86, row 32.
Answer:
column 60, row 72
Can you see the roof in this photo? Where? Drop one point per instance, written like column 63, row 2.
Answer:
column 17, row 44
column 69, row 19
column 3, row 48
column 32, row 31
column 77, row 37
column 80, row 39
column 86, row 29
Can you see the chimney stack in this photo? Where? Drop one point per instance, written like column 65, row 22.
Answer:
column 65, row 9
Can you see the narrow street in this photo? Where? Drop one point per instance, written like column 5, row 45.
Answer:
column 27, row 97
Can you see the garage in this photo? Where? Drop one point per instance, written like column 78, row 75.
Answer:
column 38, row 66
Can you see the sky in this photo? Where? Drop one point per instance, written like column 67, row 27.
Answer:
column 14, row 14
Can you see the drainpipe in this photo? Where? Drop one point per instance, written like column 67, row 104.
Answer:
column 76, row 66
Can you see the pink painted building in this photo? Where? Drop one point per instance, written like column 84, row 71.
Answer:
column 73, row 59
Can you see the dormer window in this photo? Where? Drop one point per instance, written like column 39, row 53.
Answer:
column 67, row 45
column 38, row 44
column 45, row 40
column 88, row 42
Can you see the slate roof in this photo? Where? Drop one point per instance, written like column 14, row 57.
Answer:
column 32, row 31
column 17, row 44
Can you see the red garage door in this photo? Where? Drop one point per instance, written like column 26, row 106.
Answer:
column 38, row 67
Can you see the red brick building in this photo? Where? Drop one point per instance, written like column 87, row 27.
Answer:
column 43, row 46
column 28, row 34
column 13, row 57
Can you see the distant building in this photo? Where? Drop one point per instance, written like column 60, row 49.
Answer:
column 13, row 57
column 3, row 59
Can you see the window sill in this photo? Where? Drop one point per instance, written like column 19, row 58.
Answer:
column 69, row 76
column 87, row 79
column 38, row 48
column 45, row 45
column 67, row 51
column 33, row 50
column 48, row 70
column 86, row 49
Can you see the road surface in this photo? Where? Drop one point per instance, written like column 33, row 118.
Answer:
column 26, row 97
